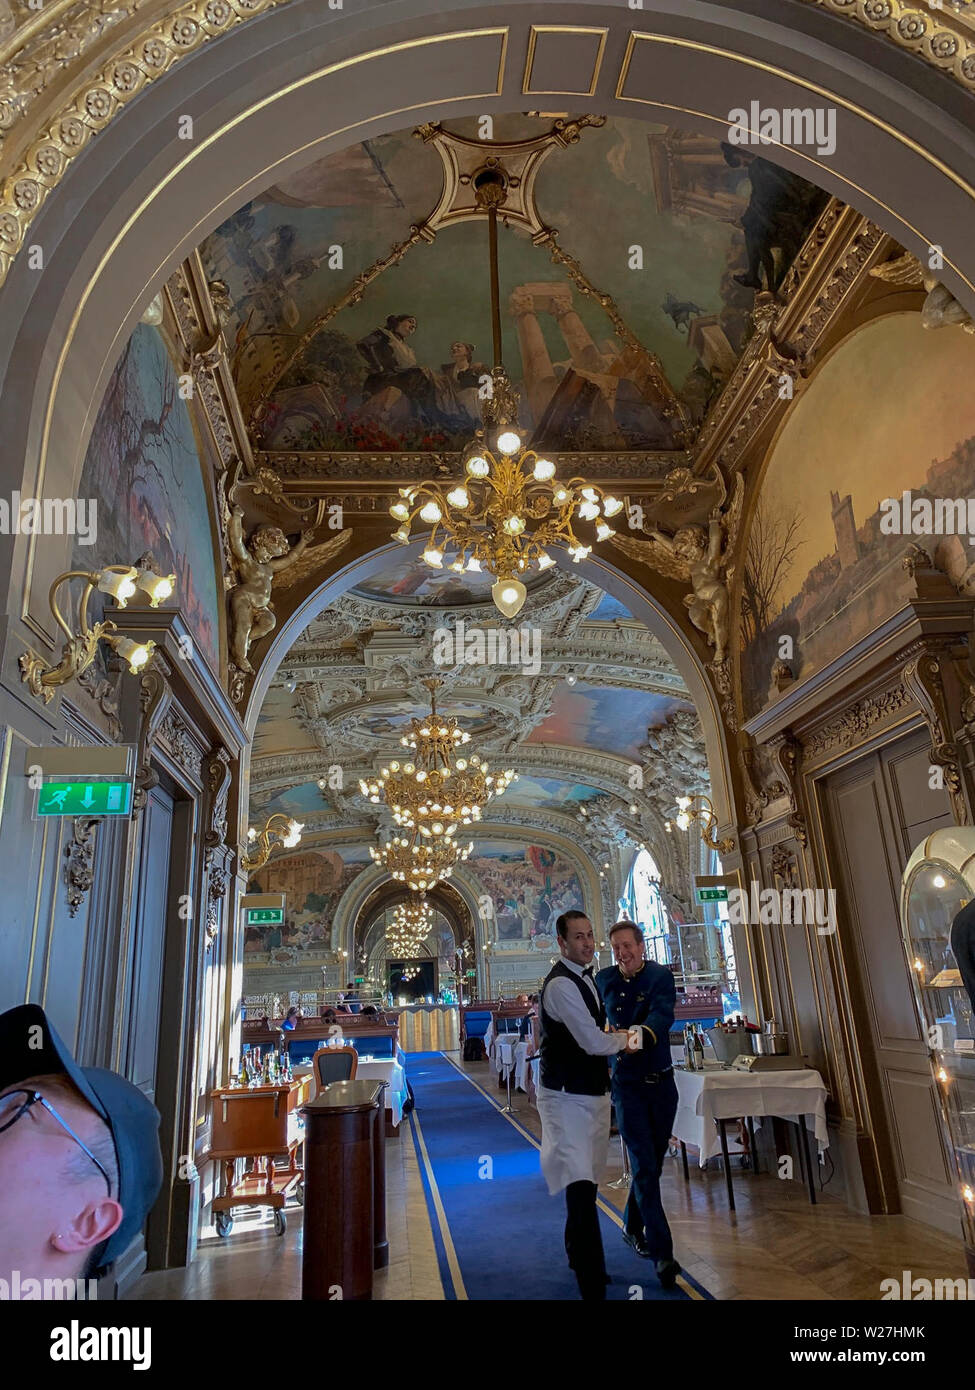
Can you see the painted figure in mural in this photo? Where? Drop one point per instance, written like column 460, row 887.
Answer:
column 680, row 310
column 393, row 367
column 459, row 383
column 266, row 554
column 777, row 218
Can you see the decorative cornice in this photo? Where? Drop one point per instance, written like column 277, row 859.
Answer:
column 939, row 39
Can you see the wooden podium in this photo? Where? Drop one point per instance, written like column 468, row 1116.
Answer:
column 345, row 1191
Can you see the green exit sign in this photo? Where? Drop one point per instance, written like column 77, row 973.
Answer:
column 712, row 895
column 360, row 979
column 470, row 974
column 265, row 916
column 95, row 798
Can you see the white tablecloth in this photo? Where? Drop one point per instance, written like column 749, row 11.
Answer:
column 508, row 1053
column 385, row 1069
column 717, row 1093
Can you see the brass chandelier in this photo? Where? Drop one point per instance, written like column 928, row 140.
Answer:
column 420, row 863
column 434, row 792
column 411, row 924
column 509, row 506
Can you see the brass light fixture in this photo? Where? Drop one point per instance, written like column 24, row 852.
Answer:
column 434, row 792
column 420, row 863
column 700, row 809
column 509, row 505
column 410, row 927
column 120, row 582
column 280, row 831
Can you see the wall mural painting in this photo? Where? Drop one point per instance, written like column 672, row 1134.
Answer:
column 819, row 569
column 401, row 369
column 313, row 882
column 604, row 718
column 529, row 888
column 143, row 467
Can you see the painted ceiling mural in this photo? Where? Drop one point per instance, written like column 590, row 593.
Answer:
column 605, row 697
column 400, row 368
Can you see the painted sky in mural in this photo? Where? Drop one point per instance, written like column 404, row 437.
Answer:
column 416, row 583
column 614, row 721
column 818, row 568
column 401, row 368
column 142, row 466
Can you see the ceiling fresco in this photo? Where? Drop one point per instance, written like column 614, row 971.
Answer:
column 678, row 234
column 610, row 719
column 415, row 583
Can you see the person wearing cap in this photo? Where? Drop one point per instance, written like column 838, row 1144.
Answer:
column 79, row 1147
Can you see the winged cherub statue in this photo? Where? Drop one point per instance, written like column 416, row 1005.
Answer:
column 263, row 562
column 700, row 557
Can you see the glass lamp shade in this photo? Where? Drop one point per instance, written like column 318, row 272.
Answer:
column 509, row 596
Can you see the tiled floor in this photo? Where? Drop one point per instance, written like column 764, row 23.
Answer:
column 775, row 1246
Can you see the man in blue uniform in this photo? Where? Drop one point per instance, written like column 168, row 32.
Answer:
column 641, row 994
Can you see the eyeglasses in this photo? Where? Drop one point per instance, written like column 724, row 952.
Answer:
column 16, row 1103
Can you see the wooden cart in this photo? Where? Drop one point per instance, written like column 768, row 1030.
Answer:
column 260, row 1122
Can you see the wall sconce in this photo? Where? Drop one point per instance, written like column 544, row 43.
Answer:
column 281, row 831
column 120, row 582
column 703, row 812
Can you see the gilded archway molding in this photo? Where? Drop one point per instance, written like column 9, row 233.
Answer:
column 70, row 70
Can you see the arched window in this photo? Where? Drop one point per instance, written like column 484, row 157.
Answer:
column 641, row 903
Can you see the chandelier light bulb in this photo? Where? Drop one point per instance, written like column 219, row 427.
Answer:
column 588, row 511
column 157, row 587
column 603, row 532
column 433, row 557
column 478, row 467
column 430, row 512
column 135, row 653
column 509, row 596
column 612, row 506
column 473, row 565
column 545, row 561
column 120, row 586
column 400, row 511
column 402, row 535
column 561, row 495
column 683, row 803
column 509, row 442
column 683, row 820
column 514, row 525
column 544, row 470
column 590, row 494
column 458, row 497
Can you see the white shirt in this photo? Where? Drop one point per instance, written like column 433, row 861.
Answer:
column 564, row 1004
column 575, row 1128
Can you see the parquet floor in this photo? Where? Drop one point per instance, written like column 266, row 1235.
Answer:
column 775, row 1246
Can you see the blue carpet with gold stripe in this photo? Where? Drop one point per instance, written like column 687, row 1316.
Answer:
column 497, row 1232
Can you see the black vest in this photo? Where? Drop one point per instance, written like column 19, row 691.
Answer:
column 564, row 1065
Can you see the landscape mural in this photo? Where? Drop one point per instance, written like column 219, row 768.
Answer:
column 401, row 369
column 818, row 569
column 529, row 888
column 313, row 881
column 143, row 467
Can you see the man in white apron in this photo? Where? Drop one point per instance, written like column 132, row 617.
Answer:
column 573, row 1095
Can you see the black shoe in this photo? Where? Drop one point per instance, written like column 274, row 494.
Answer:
column 634, row 1239
column 667, row 1272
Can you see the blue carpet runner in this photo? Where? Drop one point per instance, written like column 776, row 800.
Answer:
column 498, row 1233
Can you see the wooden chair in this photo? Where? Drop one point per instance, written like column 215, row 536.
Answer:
column 334, row 1064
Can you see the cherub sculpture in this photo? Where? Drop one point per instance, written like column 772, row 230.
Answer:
column 261, row 563
column 700, row 557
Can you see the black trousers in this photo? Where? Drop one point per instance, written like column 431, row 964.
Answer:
column 583, row 1240
column 645, row 1114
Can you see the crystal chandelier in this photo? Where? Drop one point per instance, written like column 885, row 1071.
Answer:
column 509, row 506
column 420, row 863
column 699, row 808
column 434, row 792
